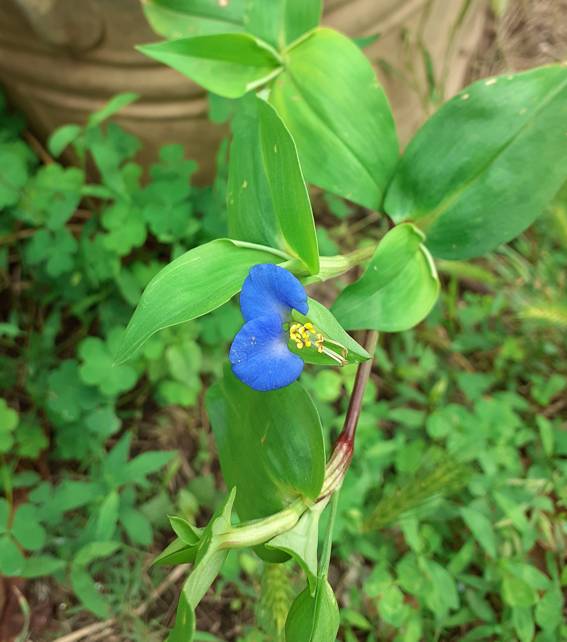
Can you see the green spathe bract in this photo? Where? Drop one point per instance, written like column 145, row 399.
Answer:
column 313, row 618
column 337, row 112
column 398, row 288
column 485, row 165
column 336, row 338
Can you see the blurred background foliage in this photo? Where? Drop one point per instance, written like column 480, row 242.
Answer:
column 452, row 519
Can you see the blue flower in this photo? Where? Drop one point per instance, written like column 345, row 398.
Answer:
column 259, row 354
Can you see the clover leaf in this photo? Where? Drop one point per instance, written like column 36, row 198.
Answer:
column 31, row 439
column 126, row 228
column 54, row 248
column 98, row 368
column 8, row 421
column 52, row 196
column 67, row 396
column 15, row 158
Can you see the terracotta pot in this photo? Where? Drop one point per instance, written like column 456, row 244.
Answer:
column 59, row 63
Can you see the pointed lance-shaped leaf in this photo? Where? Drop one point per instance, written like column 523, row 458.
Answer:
column 195, row 283
column 484, row 166
column 228, row 64
column 337, row 112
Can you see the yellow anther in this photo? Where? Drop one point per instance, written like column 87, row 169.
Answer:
column 304, row 335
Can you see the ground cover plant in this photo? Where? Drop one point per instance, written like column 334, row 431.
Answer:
column 450, row 520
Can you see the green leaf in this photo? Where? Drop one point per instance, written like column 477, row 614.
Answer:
column 251, row 215
column 14, row 172
column 12, row 562
column 391, row 606
column 62, row 137
column 184, row 628
column 9, row 419
column 103, row 421
column 324, row 321
column 209, row 558
column 339, row 117
column 195, row 283
column 313, row 618
column 529, row 574
column 188, row 533
column 178, row 552
column 289, row 194
column 516, row 592
column 301, row 542
column 280, row 431
column 463, row 177
column 397, row 290
column 482, row 530
column 549, row 609
column 441, row 595
column 229, row 64
column 4, row 515
column 42, row 565
column 81, row 581
column 137, row 526
column 67, row 396
column 523, row 620
column 178, row 18
column 126, row 228
column 107, row 517
column 114, row 105
column 145, row 464
column 31, row 438
column 99, row 370
column 52, row 196
column 55, row 250
column 282, row 21
column 266, row 197
column 27, row 529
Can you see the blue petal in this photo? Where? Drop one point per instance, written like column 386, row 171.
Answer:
column 270, row 289
column 260, row 357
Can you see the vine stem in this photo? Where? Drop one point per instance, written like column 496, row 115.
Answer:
column 355, row 404
column 328, row 542
column 344, row 446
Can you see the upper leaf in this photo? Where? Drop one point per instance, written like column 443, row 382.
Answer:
column 280, row 22
column 195, row 283
column 267, row 198
column 229, row 64
column 179, row 18
column 486, row 164
column 338, row 114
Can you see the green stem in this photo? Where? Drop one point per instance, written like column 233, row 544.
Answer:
column 262, row 530
column 328, row 543
column 331, row 267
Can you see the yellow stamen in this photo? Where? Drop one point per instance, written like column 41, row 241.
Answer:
column 307, row 336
